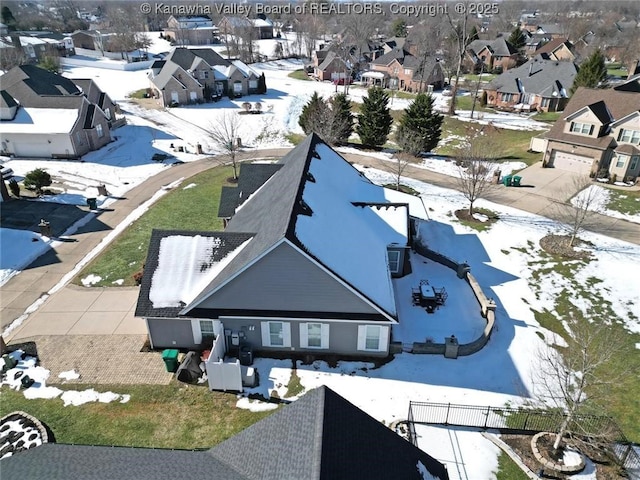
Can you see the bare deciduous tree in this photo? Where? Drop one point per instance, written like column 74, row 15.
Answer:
column 461, row 34
column 571, row 378
column 398, row 166
column 577, row 212
column 224, row 134
column 476, row 168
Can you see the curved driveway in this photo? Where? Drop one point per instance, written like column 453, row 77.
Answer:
column 74, row 311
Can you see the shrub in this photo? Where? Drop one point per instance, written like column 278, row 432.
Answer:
column 14, row 188
column 36, row 180
column 137, row 277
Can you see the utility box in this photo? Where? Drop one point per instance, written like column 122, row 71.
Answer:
column 246, row 355
column 451, row 347
column 92, row 203
column 170, row 358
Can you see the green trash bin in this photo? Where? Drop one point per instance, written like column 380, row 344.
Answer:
column 93, row 203
column 515, row 181
column 170, row 358
column 507, row 180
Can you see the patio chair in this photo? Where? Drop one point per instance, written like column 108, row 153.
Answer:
column 415, row 296
column 441, row 295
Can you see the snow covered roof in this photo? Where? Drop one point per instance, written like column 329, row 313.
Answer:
column 349, row 241
column 41, row 120
column 318, row 202
column 180, row 264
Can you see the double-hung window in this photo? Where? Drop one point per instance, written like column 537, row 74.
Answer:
column 276, row 334
column 373, row 338
column 394, row 261
column 314, row 335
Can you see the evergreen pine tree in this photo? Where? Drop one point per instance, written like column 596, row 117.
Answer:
column 315, row 116
column 342, row 119
column 420, row 127
column 262, row 84
column 473, row 34
column 374, row 121
column 592, row 72
column 517, row 39
column 399, row 28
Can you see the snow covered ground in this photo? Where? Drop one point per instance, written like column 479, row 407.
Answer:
column 601, row 198
column 500, row 257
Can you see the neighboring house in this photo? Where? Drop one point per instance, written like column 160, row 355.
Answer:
column 47, row 115
column 560, row 49
column 496, row 54
column 599, row 133
column 333, row 68
column 401, row 70
column 260, row 28
column 197, row 75
column 191, row 30
column 304, row 265
column 38, row 45
column 321, row 436
column 90, row 40
column 534, row 43
column 538, row 84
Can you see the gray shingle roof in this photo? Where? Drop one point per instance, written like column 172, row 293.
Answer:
column 6, row 100
column 278, row 201
column 35, row 87
column 82, row 462
column 185, row 56
column 251, row 177
column 321, row 436
column 498, row 46
column 144, row 306
column 539, row 76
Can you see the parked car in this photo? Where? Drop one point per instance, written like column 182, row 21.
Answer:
column 342, row 81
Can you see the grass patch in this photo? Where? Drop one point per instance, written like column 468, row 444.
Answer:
column 299, row 75
column 160, row 416
column 513, row 143
column 623, row 400
column 508, row 469
column 617, row 71
column 626, row 201
column 295, row 138
column 465, row 219
column 466, row 103
column 403, row 188
column 176, row 210
column 139, row 94
column 294, row 387
column 549, row 117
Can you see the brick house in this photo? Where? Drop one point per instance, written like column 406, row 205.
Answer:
column 599, row 133
column 539, row 84
column 401, row 70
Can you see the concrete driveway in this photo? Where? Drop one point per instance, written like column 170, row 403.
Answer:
column 75, row 310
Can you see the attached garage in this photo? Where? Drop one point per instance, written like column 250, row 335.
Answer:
column 33, row 149
column 570, row 162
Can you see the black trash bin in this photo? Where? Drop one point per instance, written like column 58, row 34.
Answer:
column 246, row 355
column 92, row 203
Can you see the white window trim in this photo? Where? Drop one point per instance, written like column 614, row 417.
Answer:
column 99, row 131
column 324, row 336
column 266, row 334
column 621, row 160
column 383, row 338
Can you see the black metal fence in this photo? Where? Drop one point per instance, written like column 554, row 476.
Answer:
column 523, row 420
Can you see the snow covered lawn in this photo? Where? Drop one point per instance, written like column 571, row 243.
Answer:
column 606, row 198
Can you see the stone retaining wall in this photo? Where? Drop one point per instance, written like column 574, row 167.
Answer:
column 451, row 349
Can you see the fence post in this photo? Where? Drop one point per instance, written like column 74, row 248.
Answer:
column 446, row 420
column 486, row 418
column 526, row 420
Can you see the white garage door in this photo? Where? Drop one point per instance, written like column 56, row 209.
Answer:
column 37, row 150
column 571, row 162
